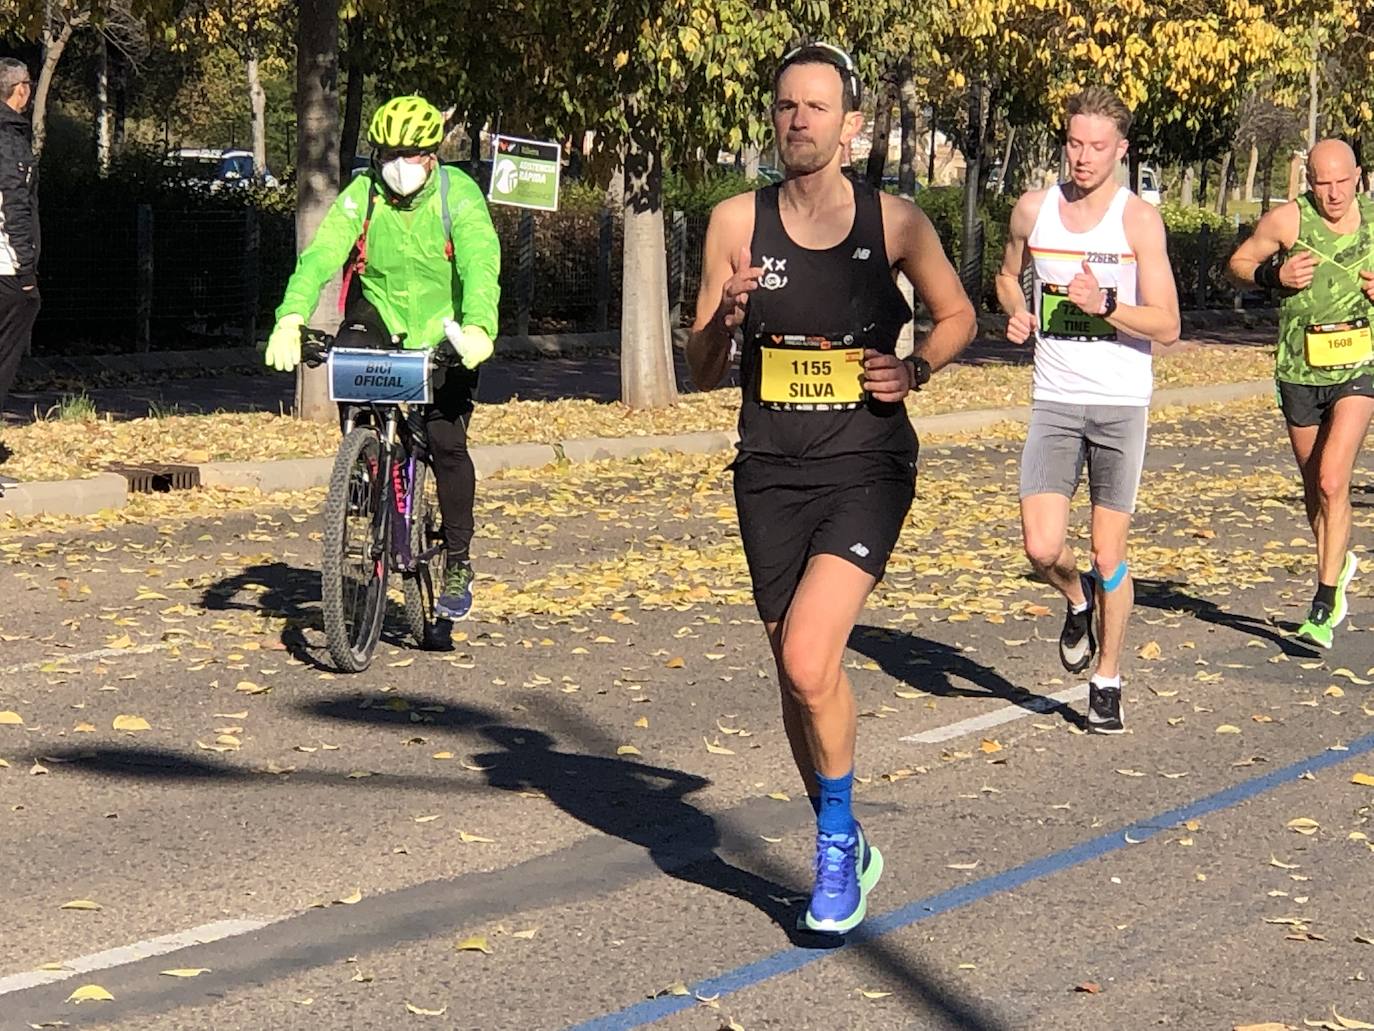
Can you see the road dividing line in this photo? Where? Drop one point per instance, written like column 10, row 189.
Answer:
column 99, row 653
column 116, row 957
column 1033, row 706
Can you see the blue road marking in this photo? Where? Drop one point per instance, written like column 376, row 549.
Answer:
column 788, row 960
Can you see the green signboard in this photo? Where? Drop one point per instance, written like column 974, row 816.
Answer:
column 524, row 173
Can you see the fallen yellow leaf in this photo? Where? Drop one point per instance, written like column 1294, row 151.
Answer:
column 420, row 1012
column 11, row 719
column 131, row 723
column 186, row 972
column 476, row 943
column 90, row 993
column 1363, row 779
column 80, row 904
column 1303, row 825
column 715, row 748
column 627, row 750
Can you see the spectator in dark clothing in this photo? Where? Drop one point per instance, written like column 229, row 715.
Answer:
column 18, row 221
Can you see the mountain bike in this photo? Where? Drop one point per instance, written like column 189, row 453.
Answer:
column 381, row 514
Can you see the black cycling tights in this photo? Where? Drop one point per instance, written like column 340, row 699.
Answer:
column 446, row 428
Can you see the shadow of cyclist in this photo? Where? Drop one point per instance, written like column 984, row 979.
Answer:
column 276, row 589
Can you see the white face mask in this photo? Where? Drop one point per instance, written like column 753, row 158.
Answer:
column 404, row 177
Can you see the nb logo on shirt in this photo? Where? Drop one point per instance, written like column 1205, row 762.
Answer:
column 774, row 273
column 861, row 254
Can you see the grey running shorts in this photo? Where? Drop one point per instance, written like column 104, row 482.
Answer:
column 1110, row 439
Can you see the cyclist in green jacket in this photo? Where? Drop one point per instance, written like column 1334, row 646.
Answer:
column 424, row 273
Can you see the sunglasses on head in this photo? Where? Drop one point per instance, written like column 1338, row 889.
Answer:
column 834, row 56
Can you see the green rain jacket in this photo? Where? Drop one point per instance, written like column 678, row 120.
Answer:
column 408, row 277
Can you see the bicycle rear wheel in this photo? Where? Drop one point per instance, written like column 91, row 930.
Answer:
column 426, row 528
column 354, row 558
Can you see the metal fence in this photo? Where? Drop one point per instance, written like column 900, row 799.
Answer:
column 140, row 279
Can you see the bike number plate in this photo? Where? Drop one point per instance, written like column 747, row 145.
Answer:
column 362, row 376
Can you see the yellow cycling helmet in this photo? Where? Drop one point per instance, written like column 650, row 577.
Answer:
column 406, row 123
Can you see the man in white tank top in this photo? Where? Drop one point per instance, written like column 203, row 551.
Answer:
column 1104, row 290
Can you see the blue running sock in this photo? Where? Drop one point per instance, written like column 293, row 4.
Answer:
column 836, row 814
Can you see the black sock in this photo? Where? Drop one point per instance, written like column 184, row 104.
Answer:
column 1326, row 595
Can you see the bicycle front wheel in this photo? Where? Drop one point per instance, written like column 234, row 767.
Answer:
column 353, row 559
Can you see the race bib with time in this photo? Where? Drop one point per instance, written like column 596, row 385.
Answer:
column 1061, row 319
column 1335, row 345
column 810, row 373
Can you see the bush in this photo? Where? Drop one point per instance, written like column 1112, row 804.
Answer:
column 698, row 197
column 944, row 205
column 1180, row 219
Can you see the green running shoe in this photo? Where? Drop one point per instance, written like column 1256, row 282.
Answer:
column 1319, row 628
column 1348, row 572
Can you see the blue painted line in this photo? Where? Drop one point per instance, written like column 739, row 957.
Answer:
column 788, row 960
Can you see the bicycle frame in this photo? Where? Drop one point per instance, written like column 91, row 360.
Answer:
column 400, row 451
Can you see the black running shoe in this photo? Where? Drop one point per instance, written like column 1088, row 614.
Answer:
column 1104, row 710
column 1077, row 645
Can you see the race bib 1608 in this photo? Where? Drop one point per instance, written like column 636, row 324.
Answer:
column 1337, row 345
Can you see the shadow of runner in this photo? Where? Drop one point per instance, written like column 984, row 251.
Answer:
column 1168, row 595
column 634, row 801
column 946, row 672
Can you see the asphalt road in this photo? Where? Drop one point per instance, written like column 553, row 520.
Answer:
column 340, row 837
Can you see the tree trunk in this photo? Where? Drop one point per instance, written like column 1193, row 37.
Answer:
column 475, row 123
column 1224, row 181
column 910, row 104
column 1202, row 183
column 1250, row 172
column 1133, row 167
column 53, row 45
column 257, row 102
column 971, row 249
column 1003, row 180
column 1186, row 190
column 120, row 110
column 102, row 106
column 1269, row 153
column 353, row 101
column 882, row 129
column 647, row 374
column 317, row 169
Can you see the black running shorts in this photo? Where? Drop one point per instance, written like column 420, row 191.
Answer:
column 852, row 506
column 1304, row 405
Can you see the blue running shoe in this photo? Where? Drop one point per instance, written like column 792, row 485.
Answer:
column 847, row 869
column 456, row 601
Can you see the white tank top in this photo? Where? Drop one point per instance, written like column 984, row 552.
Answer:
column 1083, row 359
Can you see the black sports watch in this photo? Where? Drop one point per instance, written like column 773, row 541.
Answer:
column 1108, row 303
column 920, row 371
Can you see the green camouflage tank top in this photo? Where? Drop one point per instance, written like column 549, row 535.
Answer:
column 1335, row 300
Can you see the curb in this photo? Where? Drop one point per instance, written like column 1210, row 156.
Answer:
column 66, row 497
column 109, row 490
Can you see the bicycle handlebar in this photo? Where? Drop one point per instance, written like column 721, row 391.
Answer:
column 316, row 345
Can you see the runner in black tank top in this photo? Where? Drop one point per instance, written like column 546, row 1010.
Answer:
column 828, row 306
column 827, row 456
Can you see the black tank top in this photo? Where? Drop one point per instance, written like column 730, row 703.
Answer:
column 805, row 330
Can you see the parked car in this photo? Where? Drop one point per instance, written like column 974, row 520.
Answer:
column 218, row 168
column 1150, row 191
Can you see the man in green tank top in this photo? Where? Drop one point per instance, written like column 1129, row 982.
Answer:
column 1318, row 251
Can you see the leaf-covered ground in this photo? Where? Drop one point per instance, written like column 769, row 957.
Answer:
column 63, row 449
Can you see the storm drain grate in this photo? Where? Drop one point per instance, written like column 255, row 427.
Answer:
column 155, row 478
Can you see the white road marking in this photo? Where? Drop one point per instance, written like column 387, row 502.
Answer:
column 997, row 717
column 202, row 935
column 99, row 653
